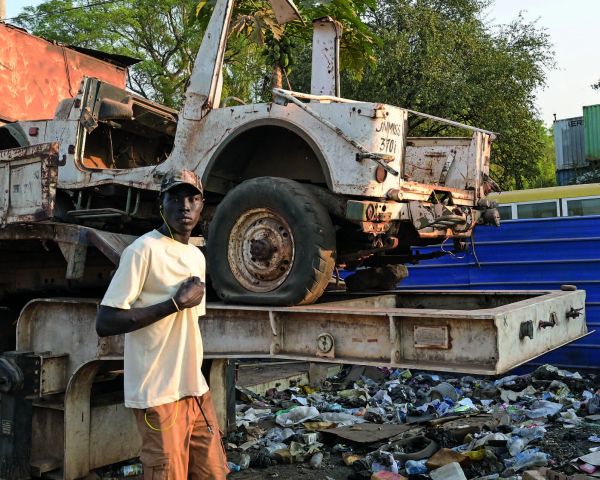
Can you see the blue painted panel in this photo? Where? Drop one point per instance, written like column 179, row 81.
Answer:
column 530, row 254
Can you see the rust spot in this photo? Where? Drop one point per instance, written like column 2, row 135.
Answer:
column 380, row 174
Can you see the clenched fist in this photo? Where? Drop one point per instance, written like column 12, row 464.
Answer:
column 190, row 293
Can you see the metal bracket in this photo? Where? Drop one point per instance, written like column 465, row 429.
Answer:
column 526, row 330
column 379, row 159
column 275, row 346
column 325, row 345
column 75, row 255
column 550, row 323
column 574, row 312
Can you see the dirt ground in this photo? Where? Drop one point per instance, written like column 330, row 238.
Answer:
column 332, row 468
column 565, row 444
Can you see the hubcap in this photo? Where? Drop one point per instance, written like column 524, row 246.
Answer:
column 260, row 250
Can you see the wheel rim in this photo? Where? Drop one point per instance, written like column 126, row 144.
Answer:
column 260, row 250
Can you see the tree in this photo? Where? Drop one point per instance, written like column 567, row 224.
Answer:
column 440, row 57
column 279, row 42
column 166, row 34
column 546, row 167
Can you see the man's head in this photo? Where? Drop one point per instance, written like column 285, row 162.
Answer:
column 181, row 200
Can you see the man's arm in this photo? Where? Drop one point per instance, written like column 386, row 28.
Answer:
column 115, row 321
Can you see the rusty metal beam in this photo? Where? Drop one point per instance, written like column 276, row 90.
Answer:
column 476, row 332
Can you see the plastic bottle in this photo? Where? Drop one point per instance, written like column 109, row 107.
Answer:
column 273, row 447
column 527, row 459
column 515, row 445
column 593, row 405
column 234, row 467
column 244, row 461
column 131, row 470
column 296, row 415
column 529, row 434
column 316, row 460
column 416, row 467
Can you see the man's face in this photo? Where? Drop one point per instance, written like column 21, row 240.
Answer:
column 181, row 206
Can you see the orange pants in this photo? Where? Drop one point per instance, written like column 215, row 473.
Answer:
column 181, row 440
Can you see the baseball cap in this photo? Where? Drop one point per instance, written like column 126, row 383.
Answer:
column 181, row 176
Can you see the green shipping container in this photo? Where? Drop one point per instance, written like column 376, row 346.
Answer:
column 591, row 129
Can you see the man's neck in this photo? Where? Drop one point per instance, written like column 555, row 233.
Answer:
column 169, row 232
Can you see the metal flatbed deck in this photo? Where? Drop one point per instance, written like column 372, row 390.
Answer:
column 478, row 332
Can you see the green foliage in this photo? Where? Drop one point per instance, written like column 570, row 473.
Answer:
column 358, row 43
column 257, row 22
column 545, row 176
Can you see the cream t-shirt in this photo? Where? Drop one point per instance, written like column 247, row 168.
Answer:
column 162, row 360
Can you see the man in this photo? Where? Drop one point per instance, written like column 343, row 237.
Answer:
column 155, row 299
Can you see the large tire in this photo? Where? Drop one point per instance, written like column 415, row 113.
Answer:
column 270, row 243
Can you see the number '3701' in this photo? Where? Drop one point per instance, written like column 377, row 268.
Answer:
column 388, row 145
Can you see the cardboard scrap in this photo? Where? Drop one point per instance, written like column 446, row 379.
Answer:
column 443, row 457
column 591, row 458
column 367, row 432
column 590, row 464
column 384, row 475
column 547, row 474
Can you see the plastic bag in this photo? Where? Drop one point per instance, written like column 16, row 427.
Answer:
column 342, row 419
column 416, row 467
column 296, row 416
column 543, row 408
column 526, row 459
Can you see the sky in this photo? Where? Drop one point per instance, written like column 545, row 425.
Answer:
column 572, row 26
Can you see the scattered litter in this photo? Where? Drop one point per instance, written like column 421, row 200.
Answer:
column 394, row 424
column 452, row 471
column 297, row 415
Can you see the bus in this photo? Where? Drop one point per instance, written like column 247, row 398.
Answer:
column 566, row 201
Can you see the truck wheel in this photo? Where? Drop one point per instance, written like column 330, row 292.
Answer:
column 270, row 242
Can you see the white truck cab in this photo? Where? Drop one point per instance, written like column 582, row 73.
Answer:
column 293, row 188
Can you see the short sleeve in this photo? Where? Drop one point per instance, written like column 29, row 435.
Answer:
column 128, row 281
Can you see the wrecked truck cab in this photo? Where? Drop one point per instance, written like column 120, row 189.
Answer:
column 295, row 188
column 122, row 130
column 102, row 130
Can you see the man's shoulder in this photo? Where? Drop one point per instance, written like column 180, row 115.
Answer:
column 196, row 251
column 144, row 243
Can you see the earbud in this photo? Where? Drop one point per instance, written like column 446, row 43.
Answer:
column 160, row 210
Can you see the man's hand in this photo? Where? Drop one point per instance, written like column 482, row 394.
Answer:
column 190, row 293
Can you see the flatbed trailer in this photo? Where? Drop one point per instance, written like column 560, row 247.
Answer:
column 71, row 379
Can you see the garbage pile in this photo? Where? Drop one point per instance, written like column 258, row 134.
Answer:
column 377, row 423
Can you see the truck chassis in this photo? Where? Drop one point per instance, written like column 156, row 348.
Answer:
column 61, row 388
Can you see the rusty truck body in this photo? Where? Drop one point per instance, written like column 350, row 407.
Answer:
column 345, row 167
column 293, row 188
column 36, row 74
